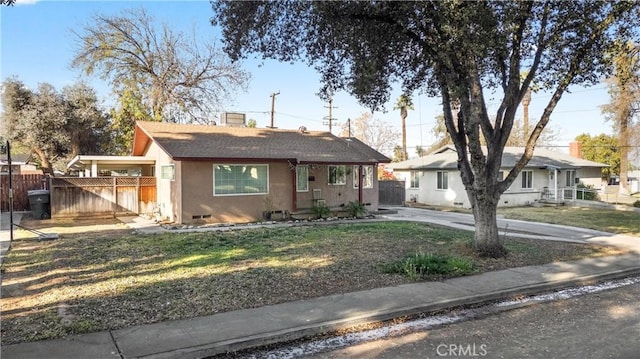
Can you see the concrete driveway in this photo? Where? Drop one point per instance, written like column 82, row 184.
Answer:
column 517, row 228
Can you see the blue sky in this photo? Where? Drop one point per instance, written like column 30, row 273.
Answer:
column 37, row 45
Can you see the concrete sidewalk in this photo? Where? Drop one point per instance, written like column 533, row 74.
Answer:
column 5, row 235
column 219, row 333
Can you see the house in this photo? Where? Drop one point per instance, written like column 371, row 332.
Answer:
column 237, row 174
column 435, row 179
column 20, row 164
column 98, row 166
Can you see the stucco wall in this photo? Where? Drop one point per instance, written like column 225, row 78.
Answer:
column 337, row 196
column 199, row 204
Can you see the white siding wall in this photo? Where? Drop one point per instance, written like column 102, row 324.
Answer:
column 457, row 196
column 590, row 176
column 164, row 188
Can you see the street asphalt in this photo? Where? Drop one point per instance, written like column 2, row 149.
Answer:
column 230, row 331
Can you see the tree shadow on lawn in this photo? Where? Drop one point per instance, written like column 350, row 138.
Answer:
column 109, row 279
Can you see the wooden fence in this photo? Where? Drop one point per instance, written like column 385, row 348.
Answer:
column 391, row 192
column 102, row 196
column 21, row 185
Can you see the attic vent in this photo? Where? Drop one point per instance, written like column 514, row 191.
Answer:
column 302, row 129
column 232, row 119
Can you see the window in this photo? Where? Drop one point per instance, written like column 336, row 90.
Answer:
column 443, row 179
column 367, row 177
column 302, row 178
column 337, row 175
column 527, row 179
column 571, row 178
column 240, row 179
column 415, row 179
column 168, row 172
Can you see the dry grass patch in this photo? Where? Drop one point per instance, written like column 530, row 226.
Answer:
column 606, row 220
column 100, row 275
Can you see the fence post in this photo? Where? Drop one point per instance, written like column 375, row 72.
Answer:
column 115, row 196
column 137, row 195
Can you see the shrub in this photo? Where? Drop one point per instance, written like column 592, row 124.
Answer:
column 589, row 195
column 636, row 203
column 321, row 211
column 356, row 209
column 423, row 265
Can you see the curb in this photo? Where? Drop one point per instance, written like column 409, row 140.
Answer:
column 301, row 332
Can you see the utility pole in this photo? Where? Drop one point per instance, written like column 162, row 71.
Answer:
column 349, row 126
column 330, row 107
column 273, row 102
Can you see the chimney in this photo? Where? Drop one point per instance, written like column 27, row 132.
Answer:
column 575, row 149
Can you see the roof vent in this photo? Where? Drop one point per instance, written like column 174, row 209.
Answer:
column 302, row 129
column 232, row 119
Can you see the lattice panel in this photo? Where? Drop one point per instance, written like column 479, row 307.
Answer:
column 126, row 181
column 147, row 181
column 81, row 181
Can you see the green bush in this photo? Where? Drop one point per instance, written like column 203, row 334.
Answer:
column 636, row 203
column 356, row 209
column 590, row 195
column 423, row 265
column 321, row 211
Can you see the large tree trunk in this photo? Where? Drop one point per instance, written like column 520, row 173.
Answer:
column 405, row 155
column 487, row 241
column 45, row 163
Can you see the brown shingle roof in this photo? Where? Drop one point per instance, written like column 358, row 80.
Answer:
column 542, row 158
column 242, row 143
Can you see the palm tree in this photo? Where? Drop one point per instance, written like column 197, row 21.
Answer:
column 526, row 100
column 404, row 104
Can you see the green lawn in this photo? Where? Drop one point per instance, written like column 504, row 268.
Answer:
column 624, row 222
column 103, row 276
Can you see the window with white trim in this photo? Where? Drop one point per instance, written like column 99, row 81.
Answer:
column 367, row 177
column 415, row 179
column 570, row 178
column 527, row 179
column 302, row 178
column 443, row 179
column 229, row 180
column 337, row 175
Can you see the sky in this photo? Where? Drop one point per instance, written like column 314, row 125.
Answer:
column 37, row 45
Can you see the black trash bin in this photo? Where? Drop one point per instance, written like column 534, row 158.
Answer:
column 39, row 203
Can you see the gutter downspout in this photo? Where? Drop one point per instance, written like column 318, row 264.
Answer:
column 360, row 174
column 555, row 184
column 294, row 190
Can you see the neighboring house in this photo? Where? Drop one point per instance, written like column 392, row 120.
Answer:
column 98, row 166
column 435, row 179
column 236, row 174
column 20, row 164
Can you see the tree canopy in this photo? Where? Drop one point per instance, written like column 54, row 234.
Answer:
column 466, row 52
column 55, row 125
column 624, row 108
column 602, row 148
column 173, row 77
column 374, row 132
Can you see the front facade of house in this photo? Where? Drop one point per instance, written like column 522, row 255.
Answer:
column 235, row 174
column 550, row 176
